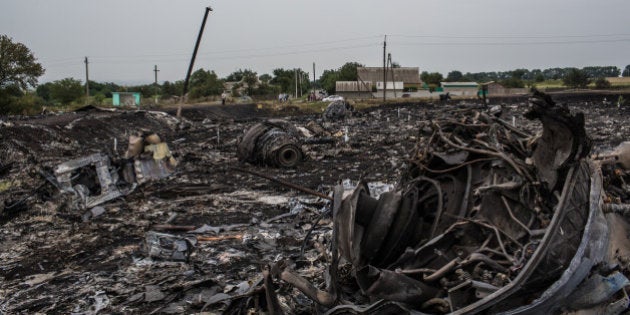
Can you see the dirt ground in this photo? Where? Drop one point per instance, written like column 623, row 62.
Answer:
column 52, row 261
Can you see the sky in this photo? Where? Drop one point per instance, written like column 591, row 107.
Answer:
column 125, row 39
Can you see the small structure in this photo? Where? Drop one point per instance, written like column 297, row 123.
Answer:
column 126, row 98
column 495, row 88
column 460, row 88
column 618, row 80
column 409, row 76
column 353, row 89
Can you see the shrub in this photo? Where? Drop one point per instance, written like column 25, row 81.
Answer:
column 602, row 83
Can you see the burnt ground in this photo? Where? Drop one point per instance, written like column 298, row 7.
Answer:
column 51, row 261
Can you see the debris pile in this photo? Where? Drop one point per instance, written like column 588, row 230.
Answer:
column 487, row 217
column 199, row 240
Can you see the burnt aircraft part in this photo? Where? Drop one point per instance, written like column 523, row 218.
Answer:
column 470, row 228
column 563, row 140
column 338, row 110
column 274, row 142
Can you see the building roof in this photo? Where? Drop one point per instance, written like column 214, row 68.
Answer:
column 459, row 84
column 375, row 74
column 353, row 86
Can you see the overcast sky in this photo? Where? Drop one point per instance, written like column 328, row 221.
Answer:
column 124, row 39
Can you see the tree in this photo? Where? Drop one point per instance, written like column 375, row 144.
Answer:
column 205, row 83
column 454, row 76
column 626, row 71
column 597, row 72
column 575, row 78
column 238, row 75
column 172, row 89
column 285, row 80
column 328, row 80
column 265, row 78
column 43, row 91
column 251, row 79
column 433, row 78
column 66, row 91
column 513, row 82
column 347, row 72
column 18, row 65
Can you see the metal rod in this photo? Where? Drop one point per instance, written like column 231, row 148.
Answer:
column 284, row 183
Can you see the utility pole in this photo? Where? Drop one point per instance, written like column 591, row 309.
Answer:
column 87, row 81
column 300, row 78
column 155, row 69
column 384, row 69
column 296, row 80
column 313, row 75
column 192, row 61
column 390, row 66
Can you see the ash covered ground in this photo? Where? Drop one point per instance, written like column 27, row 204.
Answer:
column 52, row 260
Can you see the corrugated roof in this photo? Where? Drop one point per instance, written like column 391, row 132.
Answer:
column 375, row 74
column 353, row 86
column 459, row 84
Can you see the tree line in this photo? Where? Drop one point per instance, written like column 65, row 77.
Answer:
column 20, row 91
column 519, row 78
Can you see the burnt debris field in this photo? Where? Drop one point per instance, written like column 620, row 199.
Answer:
column 434, row 208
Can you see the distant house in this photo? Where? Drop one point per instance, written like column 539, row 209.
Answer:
column 126, row 98
column 409, row 76
column 495, row 88
column 460, row 88
column 353, row 89
column 619, row 80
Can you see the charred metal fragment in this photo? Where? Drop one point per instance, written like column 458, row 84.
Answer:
column 167, row 246
column 338, row 110
column 274, row 142
column 470, row 227
column 94, row 179
column 563, row 140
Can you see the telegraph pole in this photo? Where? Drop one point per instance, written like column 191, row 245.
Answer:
column 87, row 81
column 300, row 78
column 390, row 67
column 192, row 60
column 313, row 75
column 155, row 69
column 296, row 82
column 384, row 69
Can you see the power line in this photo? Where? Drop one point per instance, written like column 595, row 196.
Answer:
column 529, row 43
column 520, row 36
column 159, row 57
column 236, row 49
column 299, row 52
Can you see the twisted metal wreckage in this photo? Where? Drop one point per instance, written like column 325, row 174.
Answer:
column 486, row 218
column 92, row 180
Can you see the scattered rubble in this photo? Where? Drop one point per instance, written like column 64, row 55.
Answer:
column 214, row 238
column 483, row 219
